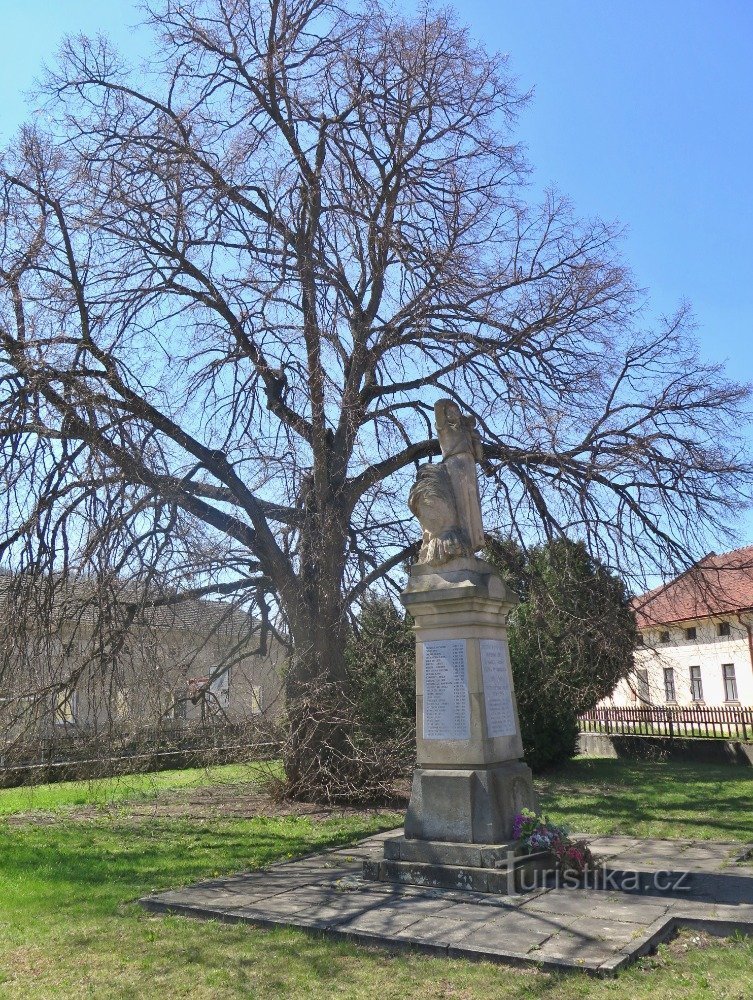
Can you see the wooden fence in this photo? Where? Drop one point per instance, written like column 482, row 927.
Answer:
column 722, row 722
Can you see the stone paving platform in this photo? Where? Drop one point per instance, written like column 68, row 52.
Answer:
column 596, row 929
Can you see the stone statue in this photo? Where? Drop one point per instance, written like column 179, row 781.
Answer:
column 461, row 450
column 445, row 497
column 432, row 500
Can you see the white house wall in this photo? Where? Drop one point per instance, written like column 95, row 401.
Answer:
column 708, row 650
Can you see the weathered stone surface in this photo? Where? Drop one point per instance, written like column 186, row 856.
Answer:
column 511, row 932
column 523, row 872
column 587, row 929
column 469, row 612
column 445, row 497
column 438, row 931
column 433, row 852
column 600, row 905
column 472, row 806
column 469, row 784
column 443, row 876
column 448, row 853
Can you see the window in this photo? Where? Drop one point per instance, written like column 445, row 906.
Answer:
column 640, row 640
column 696, row 687
column 690, row 633
column 723, row 628
column 220, row 690
column 664, row 637
column 65, row 707
column 730, row 682
column 669, row 684
column 641, row 677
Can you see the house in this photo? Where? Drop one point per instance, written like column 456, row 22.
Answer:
column 85, row 670
column 696, row 637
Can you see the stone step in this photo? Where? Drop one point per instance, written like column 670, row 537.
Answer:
column 442, row 852
column 507, row 877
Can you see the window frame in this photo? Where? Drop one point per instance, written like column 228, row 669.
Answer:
column 669, row 676
column 730, row 679
column 696, row 680
column 219, row 690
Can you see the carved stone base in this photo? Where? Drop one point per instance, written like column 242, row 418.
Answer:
column 495, row 868
column 468, row 805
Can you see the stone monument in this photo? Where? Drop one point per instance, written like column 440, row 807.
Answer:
column 470, row 778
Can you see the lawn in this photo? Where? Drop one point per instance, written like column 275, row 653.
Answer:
column 652, row 799
column 69, row 926
column 57, row 796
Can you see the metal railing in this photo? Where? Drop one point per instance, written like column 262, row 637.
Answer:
column 81, row 754
column 699, row 721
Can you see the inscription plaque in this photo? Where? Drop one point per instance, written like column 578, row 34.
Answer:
column 447, row 709
column 495, row 669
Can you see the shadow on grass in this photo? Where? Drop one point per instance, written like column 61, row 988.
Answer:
column 296, row 963
column 102, row 864
column 674, row 799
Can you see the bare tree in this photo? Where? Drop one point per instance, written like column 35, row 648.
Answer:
column 235, row 281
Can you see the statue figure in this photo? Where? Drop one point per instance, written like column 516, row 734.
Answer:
column 432, row 501
column 461, row 450
column 457, row 433
column 445, row 497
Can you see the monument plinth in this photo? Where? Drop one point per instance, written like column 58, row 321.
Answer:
column 470, row 779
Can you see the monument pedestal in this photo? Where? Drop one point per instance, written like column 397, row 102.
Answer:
column 468, row 805
column 470, row 780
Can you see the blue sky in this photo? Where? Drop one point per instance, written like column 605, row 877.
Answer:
column 643, row 112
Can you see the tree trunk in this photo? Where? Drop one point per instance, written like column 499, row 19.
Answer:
column 317, row 756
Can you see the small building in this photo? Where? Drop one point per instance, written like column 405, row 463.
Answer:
column 696, row 638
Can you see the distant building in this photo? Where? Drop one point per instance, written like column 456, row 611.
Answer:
column 697, row 637
column 196, row 659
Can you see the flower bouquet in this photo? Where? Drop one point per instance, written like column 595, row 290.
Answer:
column 536, row 833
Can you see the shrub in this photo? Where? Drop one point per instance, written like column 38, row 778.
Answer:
column 571, row 639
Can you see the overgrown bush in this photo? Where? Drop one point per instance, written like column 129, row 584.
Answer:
column 381, row 668
column 571, row 639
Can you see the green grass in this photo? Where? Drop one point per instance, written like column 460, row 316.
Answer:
column 55, row 796
column 69, row 926
column 652, row 799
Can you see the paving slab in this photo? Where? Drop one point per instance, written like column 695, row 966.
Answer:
column 516, row 931
column 595, row 929
column 599, row 904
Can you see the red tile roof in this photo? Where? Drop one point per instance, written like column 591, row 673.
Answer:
column 716, row 585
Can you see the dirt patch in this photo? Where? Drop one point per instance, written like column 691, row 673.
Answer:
column 688, row 940
column 242, row 800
